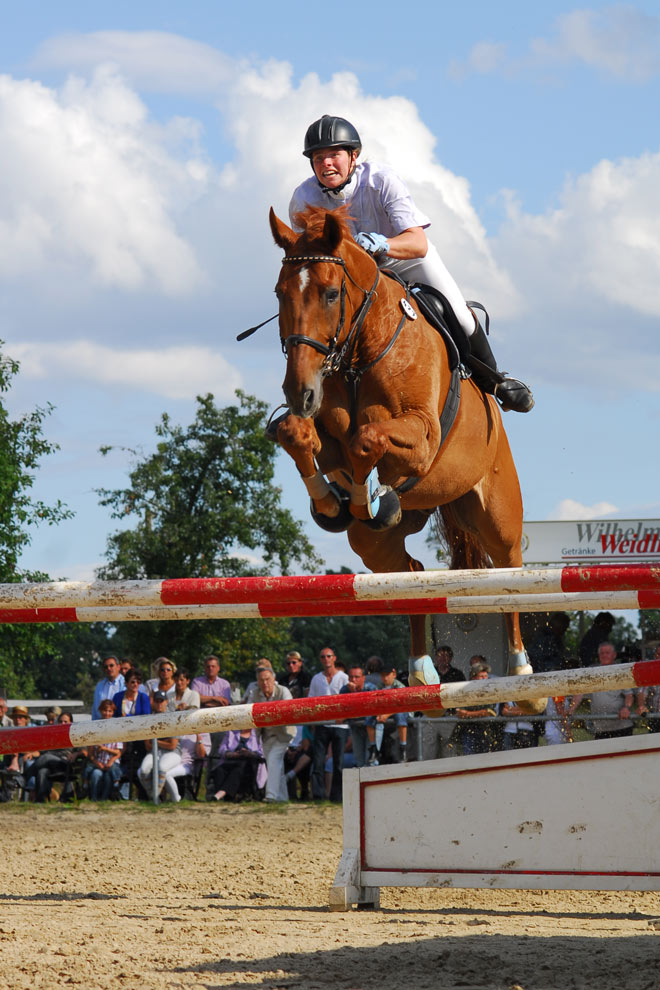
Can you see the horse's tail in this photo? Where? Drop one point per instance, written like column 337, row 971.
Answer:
column 464, row 550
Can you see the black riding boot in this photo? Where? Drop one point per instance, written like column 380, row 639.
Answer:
column 509, row 392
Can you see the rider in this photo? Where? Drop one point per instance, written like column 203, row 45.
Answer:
column 388, row 225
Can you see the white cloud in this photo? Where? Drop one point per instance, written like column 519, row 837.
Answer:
column 620, row 40
column 89, row 191
column 569, row 509
column 617, row 39
column 174, row 372
column 153, row 60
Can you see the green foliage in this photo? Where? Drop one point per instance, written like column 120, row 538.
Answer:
column 200, row 506
column 34, row 659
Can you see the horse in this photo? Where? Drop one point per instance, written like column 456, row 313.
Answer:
column 367, row 378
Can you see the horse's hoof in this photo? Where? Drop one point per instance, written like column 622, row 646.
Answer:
column 519, row 666
column 389, row 510
column 343, row 519
column 271, row 427
column 422, row 673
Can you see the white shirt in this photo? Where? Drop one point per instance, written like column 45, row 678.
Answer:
column 320, row 685
column 378, row 200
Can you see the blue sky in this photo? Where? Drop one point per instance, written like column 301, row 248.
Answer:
column 142, row 147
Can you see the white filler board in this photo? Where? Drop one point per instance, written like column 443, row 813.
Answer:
column 582, row 816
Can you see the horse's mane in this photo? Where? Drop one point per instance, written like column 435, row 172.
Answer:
column 312, row 221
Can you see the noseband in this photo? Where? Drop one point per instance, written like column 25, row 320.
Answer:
column 336, row 358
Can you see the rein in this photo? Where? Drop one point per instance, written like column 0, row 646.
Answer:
column 340, row 358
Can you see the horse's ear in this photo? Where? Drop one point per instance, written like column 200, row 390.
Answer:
column 332, row 233
column 283, row 235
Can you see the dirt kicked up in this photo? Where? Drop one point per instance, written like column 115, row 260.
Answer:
column 214, row 897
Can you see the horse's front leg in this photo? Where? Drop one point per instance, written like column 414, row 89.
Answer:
column 302, row 443
column 410, row 443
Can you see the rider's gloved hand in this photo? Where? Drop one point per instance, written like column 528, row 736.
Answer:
column 375, row 244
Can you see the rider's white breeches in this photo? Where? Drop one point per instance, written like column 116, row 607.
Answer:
column 432, row 270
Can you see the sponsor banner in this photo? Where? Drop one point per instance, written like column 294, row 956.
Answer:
column 597, row 540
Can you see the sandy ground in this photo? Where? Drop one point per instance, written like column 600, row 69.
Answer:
column 112, row 897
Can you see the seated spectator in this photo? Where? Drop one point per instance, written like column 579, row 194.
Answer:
column 394, row 745
column 612, row 707
column 241, row 770
column 52, row 714
column 372, row 669
column 132, row 701
column 475, row 737
column 518, row 733
column 19, row 763
column 194, row 750
column 169, row 757
column 274, row 739
column 103, row 770
column 298, row 763
column 54, row 763
column 363, row 730
column 184, row 696
column 164, row 682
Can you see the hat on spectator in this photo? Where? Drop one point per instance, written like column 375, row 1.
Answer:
column 159, row 696
column 54, row 710
column 20, row 710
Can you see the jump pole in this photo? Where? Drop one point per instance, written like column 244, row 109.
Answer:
column 301, row 711
column 331, row 587
column 551, row 602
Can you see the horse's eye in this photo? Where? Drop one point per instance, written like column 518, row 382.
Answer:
column 331, row 296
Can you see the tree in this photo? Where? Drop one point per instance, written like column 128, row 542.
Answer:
column 29, row 654
column 202, row 504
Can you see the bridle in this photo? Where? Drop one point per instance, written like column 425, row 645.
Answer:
column 340, row 357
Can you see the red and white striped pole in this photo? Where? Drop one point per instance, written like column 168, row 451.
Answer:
column 271, row 592
column 323, row 709
column 551, row 602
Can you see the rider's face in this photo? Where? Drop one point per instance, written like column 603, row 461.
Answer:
column 332, row 166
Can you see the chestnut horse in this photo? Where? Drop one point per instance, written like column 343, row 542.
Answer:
column 366, row 380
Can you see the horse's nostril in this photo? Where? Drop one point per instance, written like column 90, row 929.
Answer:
column 308, row 399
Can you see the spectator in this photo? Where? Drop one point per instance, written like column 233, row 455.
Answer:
column 329, row 681
column 598, row 633
column 394, row 747
column 363, row 730
column 184, row 696
column 274, row 739
column 475, row 737
column 194, row 749
column 52, row 714
column 103, row 771
column 20, row 763
column 298, row 763
column 164, row 681
column 5, row 721
column 241, row 771
column 558, row 728
column 169, row 757
column 518, row 733
column 652, row 701
column 132, row 701
column 372, row 669
column 615, row 704
column 214, row 691
column 438, row 734
column 112, row 684
column 295, row 677
column 547, row 650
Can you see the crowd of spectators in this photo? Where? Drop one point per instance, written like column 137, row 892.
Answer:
column 280, row 763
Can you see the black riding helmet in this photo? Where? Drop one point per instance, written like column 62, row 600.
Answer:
column 331, row 132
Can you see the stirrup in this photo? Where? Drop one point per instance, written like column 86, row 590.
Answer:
column 514, row 395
